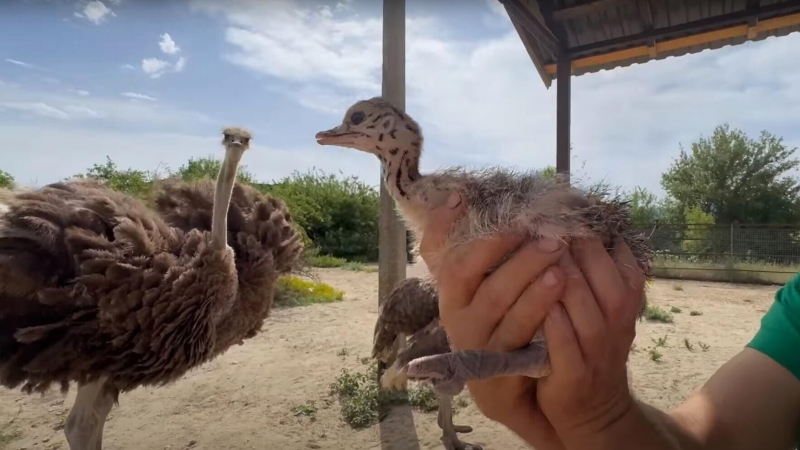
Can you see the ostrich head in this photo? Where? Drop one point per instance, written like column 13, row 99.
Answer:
column 375, row 126
column 236, row 139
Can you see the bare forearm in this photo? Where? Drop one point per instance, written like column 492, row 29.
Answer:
column 642, row 427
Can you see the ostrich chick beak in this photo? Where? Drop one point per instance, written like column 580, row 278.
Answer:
column 335, row 136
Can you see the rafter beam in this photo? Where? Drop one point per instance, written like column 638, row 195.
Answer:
column 575, row 12
column 519, row 13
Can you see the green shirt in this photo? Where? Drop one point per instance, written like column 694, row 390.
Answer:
column 779, row 335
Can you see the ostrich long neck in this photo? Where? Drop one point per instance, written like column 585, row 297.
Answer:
column 222, row 197
column 400, row 166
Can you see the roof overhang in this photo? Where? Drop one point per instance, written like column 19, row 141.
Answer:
column 605, row 34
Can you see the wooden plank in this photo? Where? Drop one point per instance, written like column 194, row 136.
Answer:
column 392, row 233
column 563, row 115
column 576, row 12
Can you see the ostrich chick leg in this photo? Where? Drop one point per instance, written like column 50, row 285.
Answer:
column 449, row 372
column 449, row 430
column 84, row 425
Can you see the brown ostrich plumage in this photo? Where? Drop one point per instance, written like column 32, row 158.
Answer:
column 498, row 201
column 98, row 289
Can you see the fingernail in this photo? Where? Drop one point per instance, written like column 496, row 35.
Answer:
column 548, row 245
column 454, row 200
column 549, row 280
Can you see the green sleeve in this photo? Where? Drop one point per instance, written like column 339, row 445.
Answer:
column 779, row 335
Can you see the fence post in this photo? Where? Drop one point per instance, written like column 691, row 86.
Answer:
column 730, row 257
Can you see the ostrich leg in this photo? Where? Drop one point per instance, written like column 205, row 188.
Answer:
column 449, row 372
column 449, row 430
column 84, row 426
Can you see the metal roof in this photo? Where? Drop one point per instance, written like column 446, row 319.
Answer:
column 605, row 34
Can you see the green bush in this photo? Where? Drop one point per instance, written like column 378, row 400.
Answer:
column 6, row 180
column 295, row 291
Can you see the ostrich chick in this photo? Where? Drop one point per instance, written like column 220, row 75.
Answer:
column 97, row 289
column 499, row 201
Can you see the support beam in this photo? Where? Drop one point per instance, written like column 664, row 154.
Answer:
column 392, row 233
column 576, row 12
column 563, row 104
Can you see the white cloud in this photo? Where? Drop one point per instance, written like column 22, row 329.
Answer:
column 482, row 102
column 20, row 63
column 167, row 45
column 95, row 11
column 154, row 67
column 113, row 110
column 128, row 67
column 180, row 65
column 80, row 92
column 36, row 108
column 137, row 96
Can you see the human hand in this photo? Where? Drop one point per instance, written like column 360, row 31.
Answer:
column 589, row 335
column 499, row 312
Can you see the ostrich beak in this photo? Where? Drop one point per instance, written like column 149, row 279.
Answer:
column 336, row 136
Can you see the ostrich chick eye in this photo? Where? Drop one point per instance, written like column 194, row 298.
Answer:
column 357, row 117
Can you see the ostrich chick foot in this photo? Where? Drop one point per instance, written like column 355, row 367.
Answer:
column 449, row 430
column 449, row 372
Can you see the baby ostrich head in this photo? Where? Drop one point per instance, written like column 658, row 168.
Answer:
column 375, row 126
column 236, row 141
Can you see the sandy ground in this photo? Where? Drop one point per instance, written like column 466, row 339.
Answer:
column 242, row 400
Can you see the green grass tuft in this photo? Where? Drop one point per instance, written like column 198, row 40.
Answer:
column 675, row 310
column 359, row 267
column 695, row 313
column 309, row 409
column 325, row 261
column 656, row 314
column 295, row 291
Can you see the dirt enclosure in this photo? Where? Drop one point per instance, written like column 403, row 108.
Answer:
column 243, row 400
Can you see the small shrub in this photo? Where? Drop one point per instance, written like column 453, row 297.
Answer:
column 655, row 355
column 308, row 409
column 295, row 291
column 6, row 180
column 343, row 352
column 695, row 313
column 677, row 287
column 660, row 342
column 675, row 310
column 688, row 344
column 704, row 346
column 656, row 314
column 325, row 261
column 359, row 267
column 423, row 397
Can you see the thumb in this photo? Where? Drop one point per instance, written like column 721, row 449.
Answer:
column 437, row 229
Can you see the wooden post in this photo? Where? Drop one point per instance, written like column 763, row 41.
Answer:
column 392, row 247
column 563, row 100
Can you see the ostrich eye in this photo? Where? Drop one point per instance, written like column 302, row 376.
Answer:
column 226, row 136
column 357, row 117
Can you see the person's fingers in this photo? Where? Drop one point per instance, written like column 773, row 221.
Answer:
column 562, row 343
column 525, row 317
column 504, row 286
column 581, row 306
column 633, row 281
column 438, row 227
column 464, row 267
column 601, row 274
column 628, row 267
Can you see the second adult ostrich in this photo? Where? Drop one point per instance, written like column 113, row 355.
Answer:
column 97, row 289
column 412, row 308
column 499, row 201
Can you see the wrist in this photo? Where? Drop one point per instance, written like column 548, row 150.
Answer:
column 630, row 429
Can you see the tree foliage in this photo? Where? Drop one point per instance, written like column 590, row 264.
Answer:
column 736, row 178
column 6, row 180
column 208, row 167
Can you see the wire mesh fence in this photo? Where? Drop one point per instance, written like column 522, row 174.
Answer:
column 726, row 252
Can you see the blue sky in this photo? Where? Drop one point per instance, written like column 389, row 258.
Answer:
column 152, row 83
